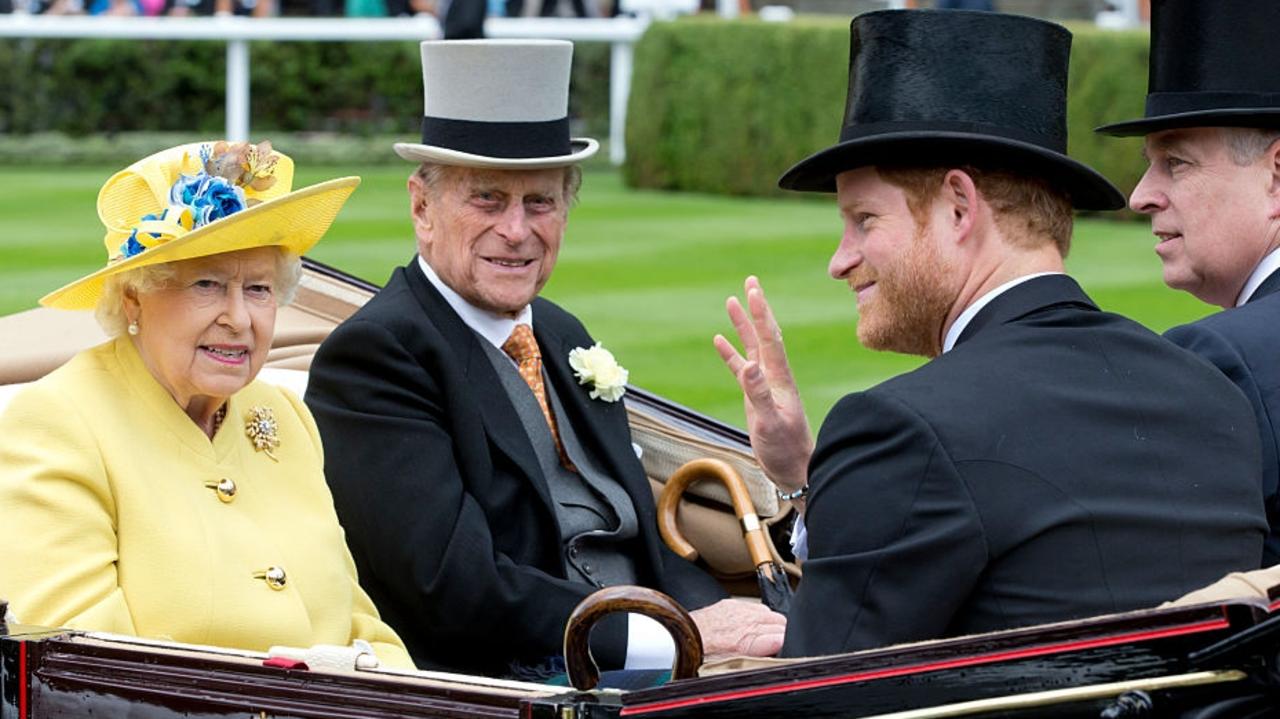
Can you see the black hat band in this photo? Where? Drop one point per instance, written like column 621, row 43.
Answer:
column 1172, row 103
column 514, row 140
column 872, row 129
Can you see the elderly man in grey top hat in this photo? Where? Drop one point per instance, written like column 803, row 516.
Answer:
column 1051, row 461
column 1212, row 130
column 485, row 490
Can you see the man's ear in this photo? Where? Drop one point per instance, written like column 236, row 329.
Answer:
column 1271, row 158
column 959, row 198
column 418, row 198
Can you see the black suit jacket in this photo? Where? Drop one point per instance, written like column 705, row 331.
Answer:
column 446, row 510
column 1244, row 343
column 1058, row 462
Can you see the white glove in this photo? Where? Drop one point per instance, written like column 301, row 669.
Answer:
column 356, row 657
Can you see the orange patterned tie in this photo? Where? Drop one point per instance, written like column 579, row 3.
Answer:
column 523, row 348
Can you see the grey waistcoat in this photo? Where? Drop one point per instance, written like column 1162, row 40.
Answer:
column 594, row 512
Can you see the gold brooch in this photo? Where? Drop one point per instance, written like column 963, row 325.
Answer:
column 261, row 428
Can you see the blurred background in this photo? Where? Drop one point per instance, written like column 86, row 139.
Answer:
column 717, row 98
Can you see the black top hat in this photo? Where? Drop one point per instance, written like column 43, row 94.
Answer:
column 939, row 87
column 1213, row 64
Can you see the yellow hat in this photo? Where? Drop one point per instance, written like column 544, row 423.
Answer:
column 204, row 199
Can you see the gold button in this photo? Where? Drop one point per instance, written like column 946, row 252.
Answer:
column 226, row 489
column 274, row 577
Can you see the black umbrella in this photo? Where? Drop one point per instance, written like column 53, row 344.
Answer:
column 775, row 587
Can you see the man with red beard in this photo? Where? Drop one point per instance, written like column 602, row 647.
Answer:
column 1052, row 461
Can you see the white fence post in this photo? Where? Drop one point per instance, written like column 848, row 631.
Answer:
column 621, row 33
column 237, row 90
column 620, row 60
column 1123, row 16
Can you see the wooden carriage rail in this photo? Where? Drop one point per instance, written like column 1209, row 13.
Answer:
column 66, row 674
column 1243, row 643
column 341, row 275
column 917, row 669
column 1046, row 699
column 1122, row 647
column 1071, row 667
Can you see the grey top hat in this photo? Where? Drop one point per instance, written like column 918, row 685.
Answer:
column 500, row 104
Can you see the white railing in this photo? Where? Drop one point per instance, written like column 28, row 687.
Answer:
column 1121, row 15
column 621, row 33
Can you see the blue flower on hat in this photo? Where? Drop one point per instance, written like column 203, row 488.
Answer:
column 158, row 228
column 131, row 246
column 219, row 199
column 209, row 197
column 188, row 188
column 214, row 192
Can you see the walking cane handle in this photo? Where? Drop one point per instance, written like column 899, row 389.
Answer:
column 743, row 508
column 581, row 666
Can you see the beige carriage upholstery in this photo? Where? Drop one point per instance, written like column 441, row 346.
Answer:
column 34, row 342
column 1256, row 584
column 706, row 518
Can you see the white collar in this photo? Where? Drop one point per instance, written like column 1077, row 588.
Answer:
column 494, row 328
column 1269, row 264
column 953, row 334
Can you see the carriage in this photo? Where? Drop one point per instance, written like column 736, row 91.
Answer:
column 1207, row 660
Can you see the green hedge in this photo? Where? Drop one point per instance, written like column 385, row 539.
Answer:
column 87, row 87
column 1107, row 83
column 716, row 106
column 727, row 107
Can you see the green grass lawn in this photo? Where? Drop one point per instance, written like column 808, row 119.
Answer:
column 648, row 272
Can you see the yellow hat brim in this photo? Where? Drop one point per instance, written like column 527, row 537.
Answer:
column 295, row 221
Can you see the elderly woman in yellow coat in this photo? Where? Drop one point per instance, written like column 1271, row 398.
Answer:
column 151, row 486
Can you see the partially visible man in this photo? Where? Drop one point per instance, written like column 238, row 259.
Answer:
column 1212, row 129
column 1052, row 461
column 487, row 486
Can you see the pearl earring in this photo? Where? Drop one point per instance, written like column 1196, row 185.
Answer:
column 133, row 328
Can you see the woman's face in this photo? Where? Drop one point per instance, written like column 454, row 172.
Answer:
column 205, row 334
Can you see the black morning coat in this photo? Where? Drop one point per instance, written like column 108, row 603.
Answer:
column 435, row 480
column 1058, row 462
column 1244, row 343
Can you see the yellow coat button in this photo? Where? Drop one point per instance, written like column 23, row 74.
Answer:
column 274, row 577
column 226, row 489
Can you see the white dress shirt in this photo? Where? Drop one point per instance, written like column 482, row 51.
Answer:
column 1269, row 264
column 800, row 535
column 496, row 329
column 649, row 645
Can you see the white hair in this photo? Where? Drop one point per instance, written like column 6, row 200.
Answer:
column 435, row 175
column 110, row 308
column 1247, row 144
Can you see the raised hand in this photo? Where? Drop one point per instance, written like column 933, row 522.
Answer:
column 779, row 431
